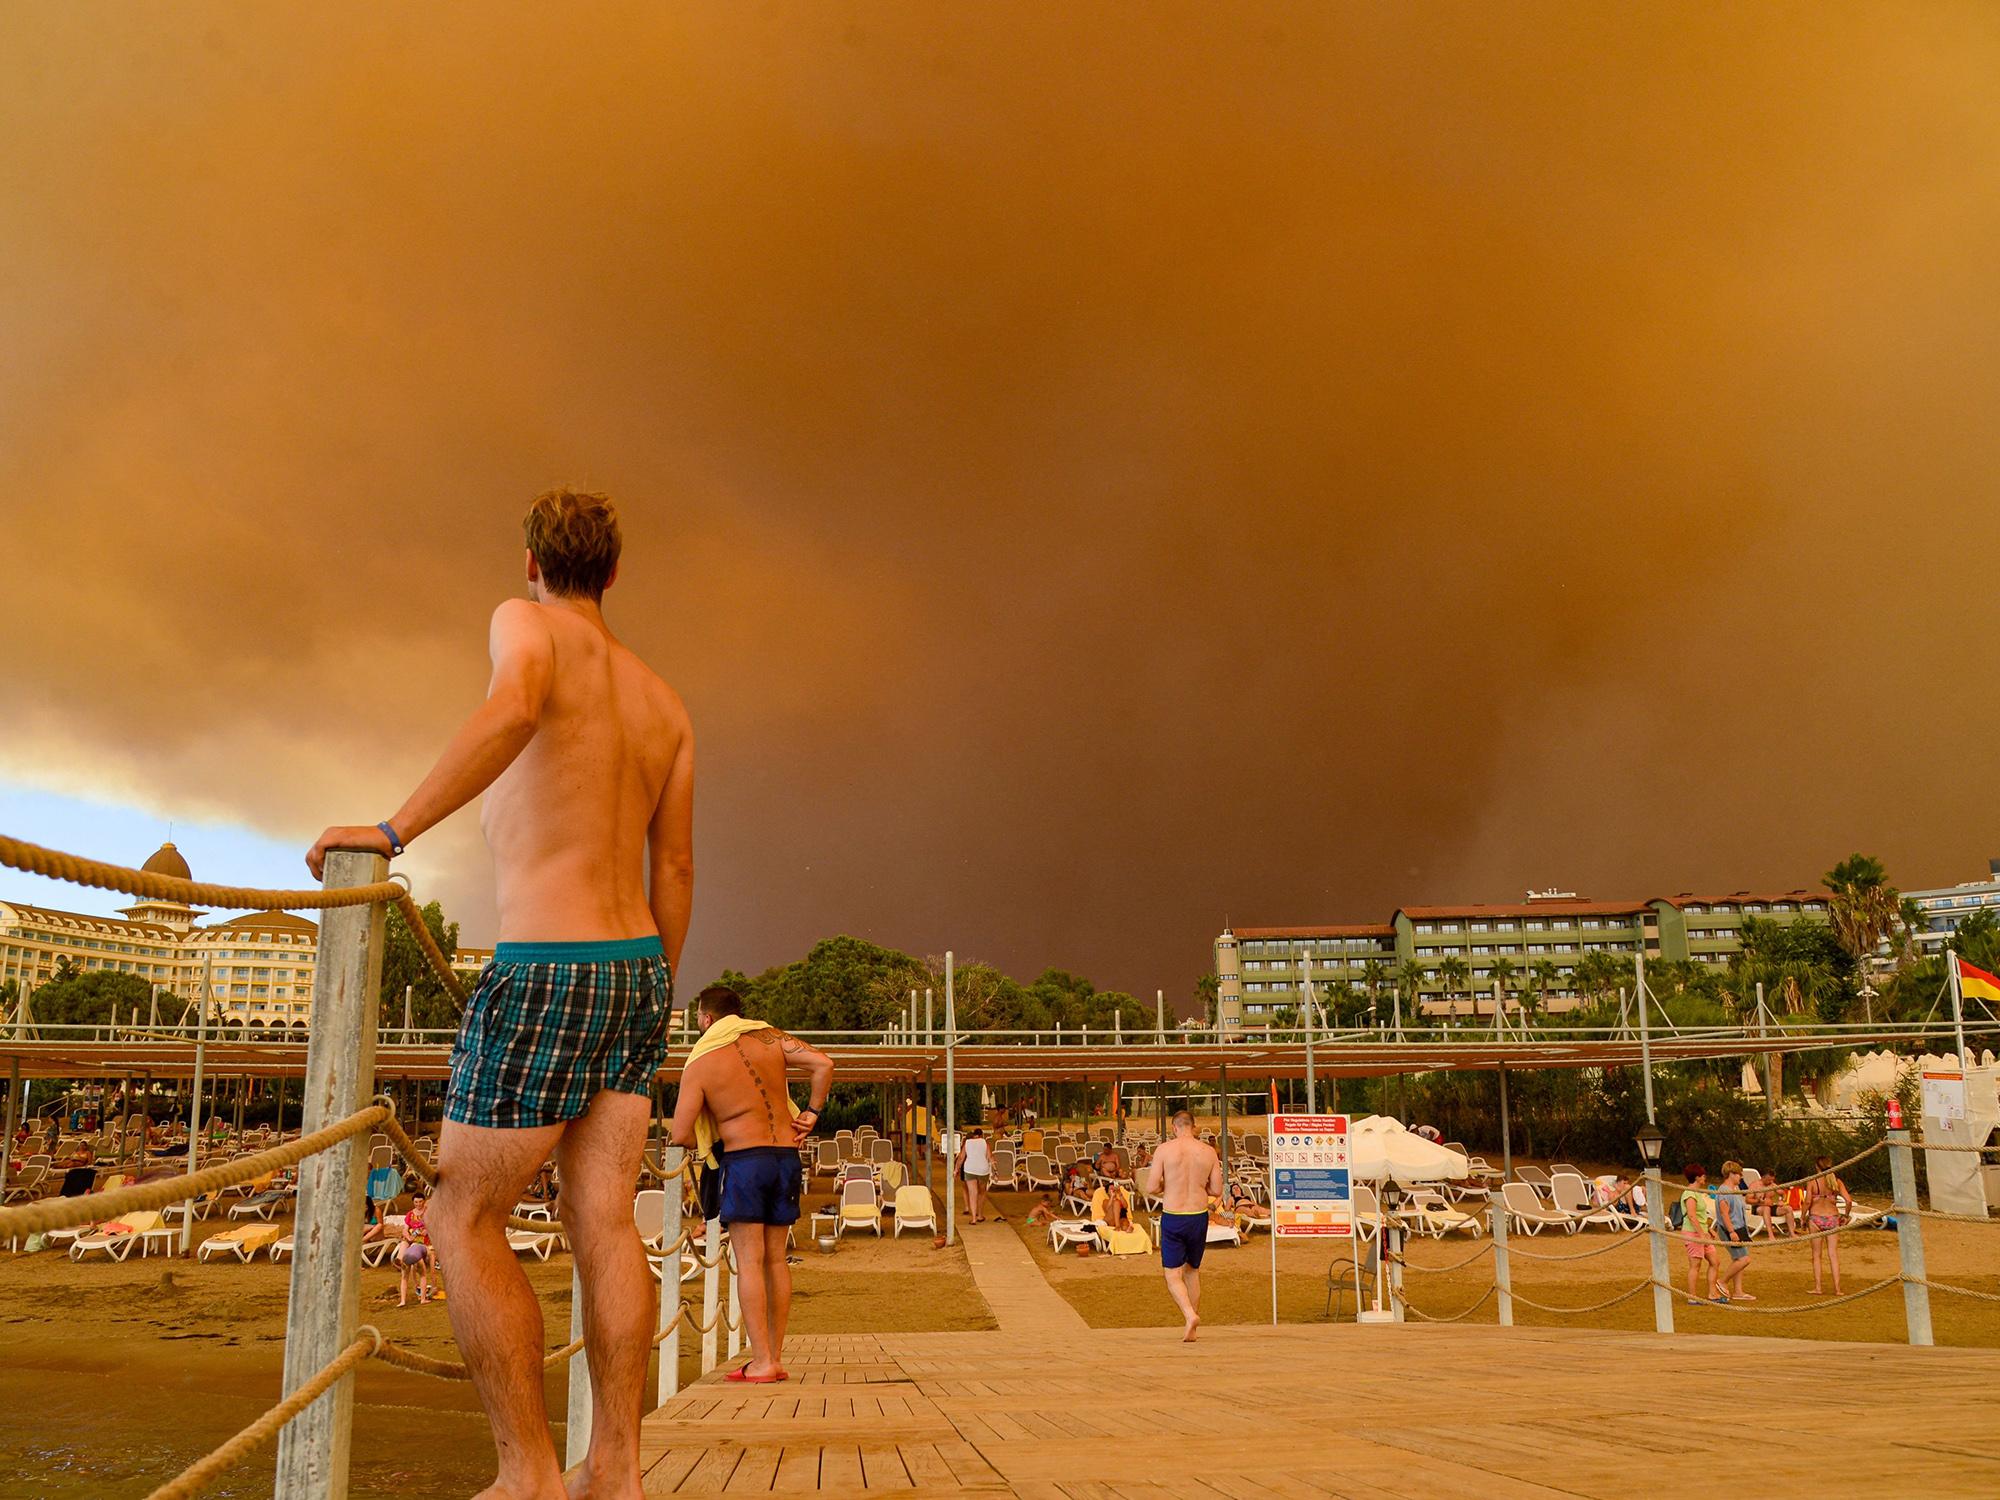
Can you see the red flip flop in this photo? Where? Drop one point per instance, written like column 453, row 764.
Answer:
column 765, row 1379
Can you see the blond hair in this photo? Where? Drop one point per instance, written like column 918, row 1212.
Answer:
column 573, row 535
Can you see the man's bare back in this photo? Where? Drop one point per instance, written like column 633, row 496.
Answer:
column 1185, row 1172
column 743, row 1086
column 568, row 821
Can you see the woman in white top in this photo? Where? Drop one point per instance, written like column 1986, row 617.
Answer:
column 975, row 1166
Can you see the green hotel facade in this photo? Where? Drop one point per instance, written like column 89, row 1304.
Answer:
column 1258, row 968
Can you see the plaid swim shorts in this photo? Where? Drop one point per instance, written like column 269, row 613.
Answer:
column 550, row 1025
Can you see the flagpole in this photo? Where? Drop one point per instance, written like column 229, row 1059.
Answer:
column 1957, row 1015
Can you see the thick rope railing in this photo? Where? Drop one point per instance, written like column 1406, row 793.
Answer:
column 203, row 1471
column 99, row 1208
column 1486, row 1247
column 1464, row 1312
column 57, row 865
column 1616, row 1242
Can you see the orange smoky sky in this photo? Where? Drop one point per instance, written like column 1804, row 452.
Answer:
column 1092, row 470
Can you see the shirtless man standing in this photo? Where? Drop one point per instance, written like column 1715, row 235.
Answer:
column 733, row 1092
column 1184, row 1174
column 589, row 759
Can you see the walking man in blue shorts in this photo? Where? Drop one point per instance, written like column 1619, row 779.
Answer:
column 1185, row 1174
column 587, row 762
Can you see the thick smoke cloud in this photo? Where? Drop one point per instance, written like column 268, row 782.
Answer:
column 1091, row 473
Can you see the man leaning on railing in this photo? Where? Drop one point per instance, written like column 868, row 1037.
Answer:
column 587, row 761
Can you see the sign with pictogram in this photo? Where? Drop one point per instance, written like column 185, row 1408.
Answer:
column 1310, row 1190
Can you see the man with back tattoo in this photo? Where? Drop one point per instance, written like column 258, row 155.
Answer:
column 737, row 1115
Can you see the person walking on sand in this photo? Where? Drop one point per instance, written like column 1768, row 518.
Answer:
column 587, row 762
column 1733, row 1221
column 1697, row 1208
column 974, row 1167
column 1184, row 1174
column 735, row 1113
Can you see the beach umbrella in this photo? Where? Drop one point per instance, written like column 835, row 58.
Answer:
column 1380, row 1148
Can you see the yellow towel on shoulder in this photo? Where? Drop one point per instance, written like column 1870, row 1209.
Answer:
column 724, row 1032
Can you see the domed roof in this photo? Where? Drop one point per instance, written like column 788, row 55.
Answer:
column 167, row 860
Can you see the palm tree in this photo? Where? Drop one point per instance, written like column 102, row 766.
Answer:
column 1503, row 975
column 1455, row 974
column 1410, row 979
column 1542, row 974
column 1373, row 974
column 1865, row 909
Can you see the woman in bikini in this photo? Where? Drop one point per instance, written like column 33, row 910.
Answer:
column 1827, row 1199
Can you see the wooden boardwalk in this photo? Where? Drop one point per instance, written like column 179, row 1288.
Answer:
column 1315, row 1412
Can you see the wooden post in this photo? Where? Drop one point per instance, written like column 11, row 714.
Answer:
column 950, row 1102
column 325, row 1305
column 1656, row 1240
column 1496, row 1216
column 1910, row 1238
column 668, row 1382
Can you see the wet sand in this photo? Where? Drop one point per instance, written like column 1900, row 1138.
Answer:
column 114, row 1377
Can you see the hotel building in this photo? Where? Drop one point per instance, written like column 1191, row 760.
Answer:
column 1258, row 968
column 260, row 966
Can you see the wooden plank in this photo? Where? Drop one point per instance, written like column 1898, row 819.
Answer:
column 882, row 1468
column 665, row 1476
column 757, row 1470
column 798, row 1468
column 840, row 1469
column 711, row 1475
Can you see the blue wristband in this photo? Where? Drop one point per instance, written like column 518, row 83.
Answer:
column 395, row 843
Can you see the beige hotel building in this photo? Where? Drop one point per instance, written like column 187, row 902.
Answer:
column 260, row 965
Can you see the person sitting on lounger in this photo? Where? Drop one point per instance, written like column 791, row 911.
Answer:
column 1111, row 1210
column 1107, row 1164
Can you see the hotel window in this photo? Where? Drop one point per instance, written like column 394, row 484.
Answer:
column 1482, row 926
column 1565, row 947
column 1784, row 906
column 1593, row 921
column 1449, row 927
column 1538, row 925
column 1754, row 906
column 1427, row 927
column 1694, row 908
column 1538, row 947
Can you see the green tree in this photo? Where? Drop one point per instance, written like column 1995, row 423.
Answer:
column 1456, row 976
column 1374, row 974
column 1410, row 977
column 1543, row 975
column 1503, row 975
column 1976, row 939
column 404, row 964
column 1864, row 907
column 1207, row 992
column 88, row 997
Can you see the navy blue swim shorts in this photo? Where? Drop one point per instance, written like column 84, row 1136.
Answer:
column 761, row 1185
column 1183, row 1240
column 551, row 1025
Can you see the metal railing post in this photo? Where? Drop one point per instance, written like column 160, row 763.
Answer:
column 735, row 1318
column 668, row 1382
column 1496, row 1217
column 576, row 1428
column 1656, row 1238
column 325, row 1304
column 712, row 1253
column 1910, row 1238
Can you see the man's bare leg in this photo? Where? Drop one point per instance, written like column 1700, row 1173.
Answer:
column 748, row 1241
column 777, row 1288
column 1177, row 1283
column 1192, row 1280
column 494, row 1314
column 599, row 1161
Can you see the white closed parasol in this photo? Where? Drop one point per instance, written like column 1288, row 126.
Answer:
column 1380, row 1148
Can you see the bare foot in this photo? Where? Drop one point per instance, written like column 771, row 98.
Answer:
column 1193, row 1327
column 499, row 1491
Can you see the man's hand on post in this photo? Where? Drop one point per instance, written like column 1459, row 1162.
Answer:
column 347, row 837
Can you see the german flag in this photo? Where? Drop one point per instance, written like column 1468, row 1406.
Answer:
column 1977, row 982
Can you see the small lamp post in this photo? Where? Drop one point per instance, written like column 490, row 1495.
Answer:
column 1651, row 1143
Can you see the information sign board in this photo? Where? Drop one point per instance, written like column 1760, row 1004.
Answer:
column 1310, row 1190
